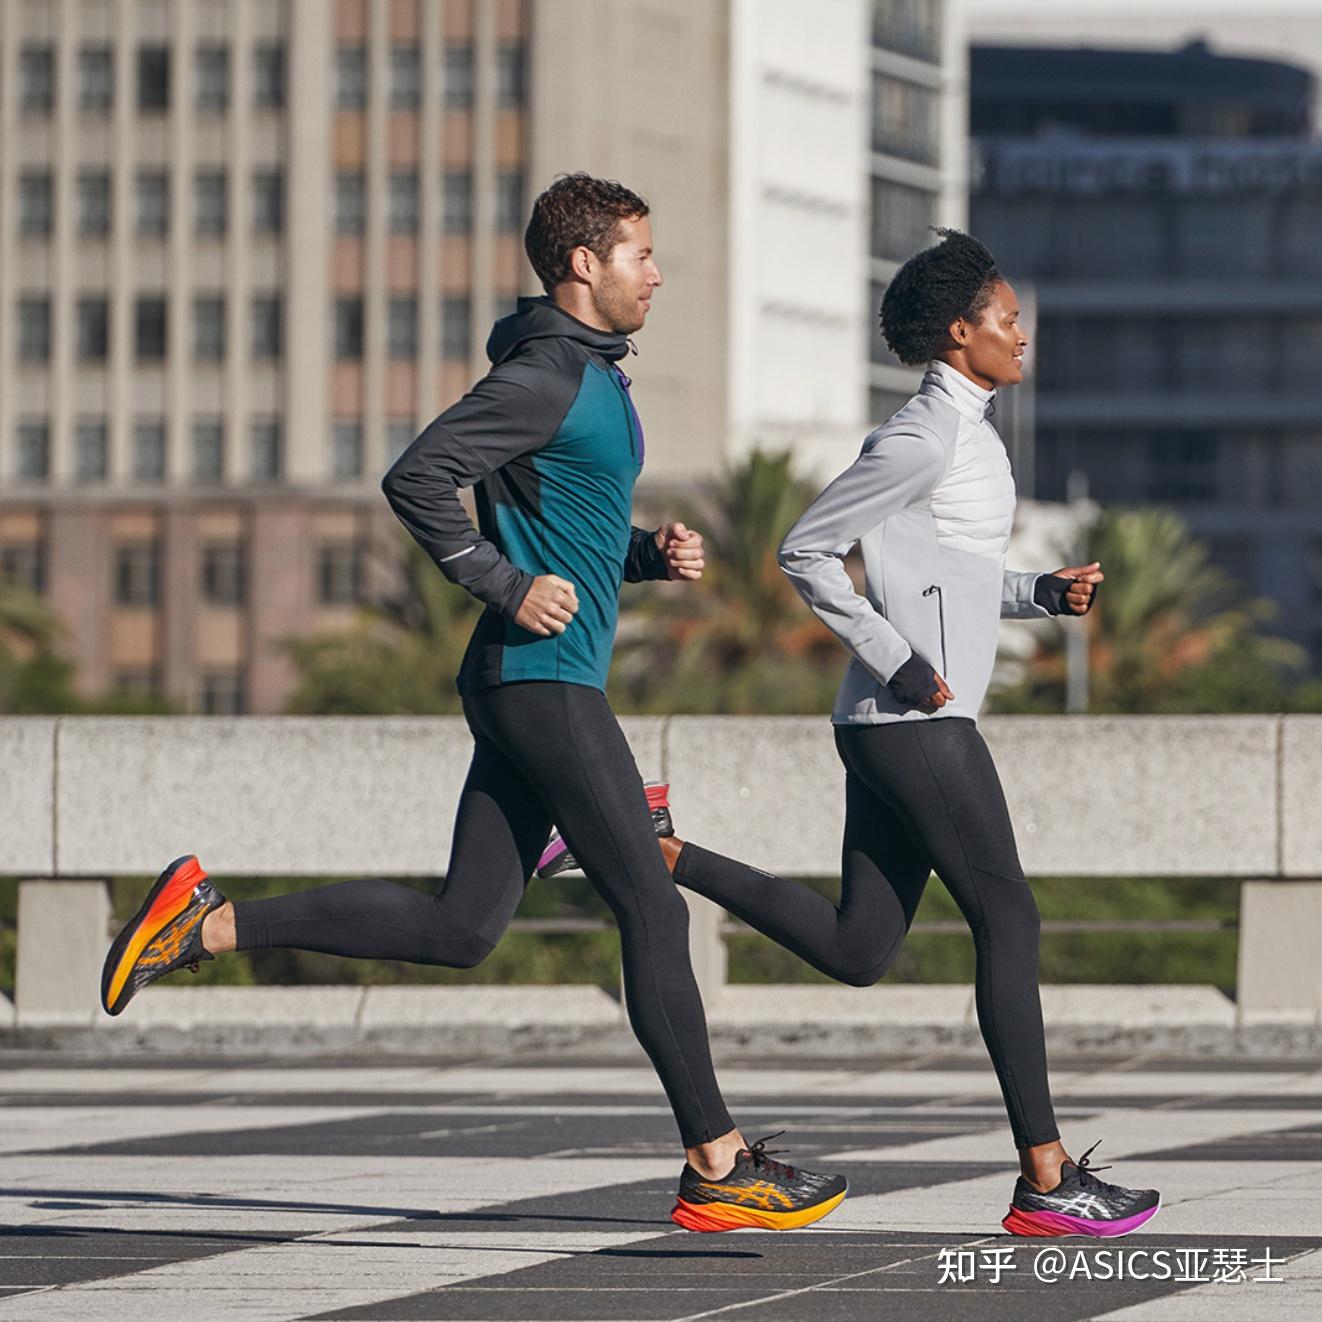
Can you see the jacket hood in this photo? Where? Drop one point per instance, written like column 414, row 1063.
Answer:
column 541, row 319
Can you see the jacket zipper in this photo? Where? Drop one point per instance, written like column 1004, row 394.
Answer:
column 941, row 615
column 622, row 391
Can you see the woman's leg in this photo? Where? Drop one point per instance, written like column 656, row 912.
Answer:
column 940, row 778
column 883, row 874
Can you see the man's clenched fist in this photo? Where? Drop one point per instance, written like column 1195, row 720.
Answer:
column 549, row 606
column 682, row 548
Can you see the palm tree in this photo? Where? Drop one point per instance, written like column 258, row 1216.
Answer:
column 741, row 640
column 1172, row 632
column 34, row 677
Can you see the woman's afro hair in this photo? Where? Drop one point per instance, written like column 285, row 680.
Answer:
column 933, row 289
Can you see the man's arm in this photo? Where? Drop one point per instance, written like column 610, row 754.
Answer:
column 513, row 410
column 644, row 560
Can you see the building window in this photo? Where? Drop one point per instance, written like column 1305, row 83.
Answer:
column 33, row 452
column 509, row 75
column 348, row 328
column 404, row 202
column 153, row 77
column 346, row 451
column 223, row 574
column 209, row 199
column 266, row 338
column 93, row 203
column 89, row 451
column 403, row 328
column 93, row 329
column 457, row 76
column 36, row 204
column 400, row 434
column 34, row 329
column 143, row 682
column 23, row 565
column 456, row 326
column 350, row 202
column 36, row 80
column 339, row 574
column 911, row 27
column 208, row 451
column 509, row 201
column 351, row 78
column 268, row 202
column 1182, row 467
column 96, row 79
column 221, row 693
column 153, row 189
column 149, row 450
column 904, row 119
column 137, row 574
column 149, row 330
column 208, row 327
column 212, row 68
column 269, row 77
column 265, row 453
column 457, row 201
column 405, row 78
column 902, row 217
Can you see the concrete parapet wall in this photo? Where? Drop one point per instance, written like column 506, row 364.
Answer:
column 1163, row 796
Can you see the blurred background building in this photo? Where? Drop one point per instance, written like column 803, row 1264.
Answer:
column 1164, row 207
column 248, row 247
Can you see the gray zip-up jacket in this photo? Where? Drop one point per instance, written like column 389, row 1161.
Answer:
column 930, row 501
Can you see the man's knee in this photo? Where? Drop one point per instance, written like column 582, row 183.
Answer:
column 464, row 952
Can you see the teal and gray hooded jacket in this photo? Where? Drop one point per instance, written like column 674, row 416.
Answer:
column 552, row 444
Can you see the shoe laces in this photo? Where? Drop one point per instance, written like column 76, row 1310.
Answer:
column 764, row 1161
column 1087, row 1176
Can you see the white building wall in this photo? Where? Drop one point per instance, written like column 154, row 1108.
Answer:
column 798, row 231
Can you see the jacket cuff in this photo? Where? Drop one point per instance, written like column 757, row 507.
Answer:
column 646, row 562
column 1049, row 593
column 914, row 682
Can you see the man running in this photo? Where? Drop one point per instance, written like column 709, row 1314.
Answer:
column 552, row 443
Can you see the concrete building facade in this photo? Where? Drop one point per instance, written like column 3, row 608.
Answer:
column 248, row 247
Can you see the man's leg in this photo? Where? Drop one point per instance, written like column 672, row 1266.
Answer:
column 567, row 742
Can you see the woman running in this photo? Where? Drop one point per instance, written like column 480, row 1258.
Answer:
column 930, row 502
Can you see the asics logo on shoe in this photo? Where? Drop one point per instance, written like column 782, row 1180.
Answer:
column 1080, row 1204
column 759, row 1194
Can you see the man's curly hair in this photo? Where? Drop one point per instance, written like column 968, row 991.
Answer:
column 577, row 211
column 932, row 290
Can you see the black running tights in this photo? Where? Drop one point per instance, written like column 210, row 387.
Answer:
column 920, row 796
column 544, row 752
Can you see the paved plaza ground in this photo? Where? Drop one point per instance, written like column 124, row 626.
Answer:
column 538, row 1188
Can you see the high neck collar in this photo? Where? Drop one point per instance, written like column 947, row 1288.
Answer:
column 972, row 401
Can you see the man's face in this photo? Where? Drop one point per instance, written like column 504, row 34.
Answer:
column 995, row 347
column 622, row 285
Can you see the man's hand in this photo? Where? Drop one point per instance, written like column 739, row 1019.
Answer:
column 549, row 606
column 1079, row 597
column 682, row 548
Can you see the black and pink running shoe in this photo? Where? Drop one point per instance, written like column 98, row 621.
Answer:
column 556, row 857
column 1080, row 1204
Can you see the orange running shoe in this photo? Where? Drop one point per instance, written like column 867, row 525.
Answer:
column 164, row 935
column 759, row 1193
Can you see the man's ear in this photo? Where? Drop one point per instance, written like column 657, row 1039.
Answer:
column 582, row 262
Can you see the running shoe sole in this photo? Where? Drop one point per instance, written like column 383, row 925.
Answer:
column 1020, row 1222
column 713, row 1217
column 556, row 857
column 168, row 898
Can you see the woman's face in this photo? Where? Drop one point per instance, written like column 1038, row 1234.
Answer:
column 993, row 348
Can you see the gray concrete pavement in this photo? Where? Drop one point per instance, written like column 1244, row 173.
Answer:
column 538, row 1187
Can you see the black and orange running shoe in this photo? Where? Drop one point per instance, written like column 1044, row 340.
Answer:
column 759, row 1193
column 164, row 935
